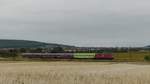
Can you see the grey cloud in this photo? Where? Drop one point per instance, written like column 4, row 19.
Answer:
column 77, row 22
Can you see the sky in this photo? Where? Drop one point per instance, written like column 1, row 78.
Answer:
column 97, row 23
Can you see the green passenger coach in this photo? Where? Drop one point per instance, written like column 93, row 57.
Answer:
column 84, row 55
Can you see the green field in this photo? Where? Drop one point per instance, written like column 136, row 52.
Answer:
column 130, row 56
column 118, row 57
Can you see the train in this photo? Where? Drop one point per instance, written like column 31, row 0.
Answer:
column 104, row 56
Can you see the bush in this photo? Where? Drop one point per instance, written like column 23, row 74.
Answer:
column 6, row 55
column 147, row 58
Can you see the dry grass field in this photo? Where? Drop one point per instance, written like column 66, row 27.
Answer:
column 74, row 73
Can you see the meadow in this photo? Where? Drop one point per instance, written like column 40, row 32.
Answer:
column 130, row 56
column 74, row 73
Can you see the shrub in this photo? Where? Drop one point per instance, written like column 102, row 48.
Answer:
column 147, row 58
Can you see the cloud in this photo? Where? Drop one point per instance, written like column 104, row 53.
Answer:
column 77, row 22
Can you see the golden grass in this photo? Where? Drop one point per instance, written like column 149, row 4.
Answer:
column 73, row 73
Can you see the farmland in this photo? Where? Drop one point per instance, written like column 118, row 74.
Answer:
column 74, row 73
column 130, row 56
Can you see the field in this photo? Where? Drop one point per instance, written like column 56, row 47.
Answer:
column 74, row 73
column 130, row 56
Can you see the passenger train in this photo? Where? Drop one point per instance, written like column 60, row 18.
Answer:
column 107, row 56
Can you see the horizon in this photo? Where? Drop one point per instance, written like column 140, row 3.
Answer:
column 127, row 44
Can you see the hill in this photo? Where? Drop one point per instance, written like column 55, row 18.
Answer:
column 27, row 44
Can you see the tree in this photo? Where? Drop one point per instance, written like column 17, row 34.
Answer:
column 57, row 50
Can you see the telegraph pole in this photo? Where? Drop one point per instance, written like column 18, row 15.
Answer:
column 129, row 51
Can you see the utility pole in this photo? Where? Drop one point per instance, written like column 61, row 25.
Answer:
column 130, row 54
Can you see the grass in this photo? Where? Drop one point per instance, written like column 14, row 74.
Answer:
column 73, row 73
column 130, row 56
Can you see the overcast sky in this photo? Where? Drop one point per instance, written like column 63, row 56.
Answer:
column 77, row 22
